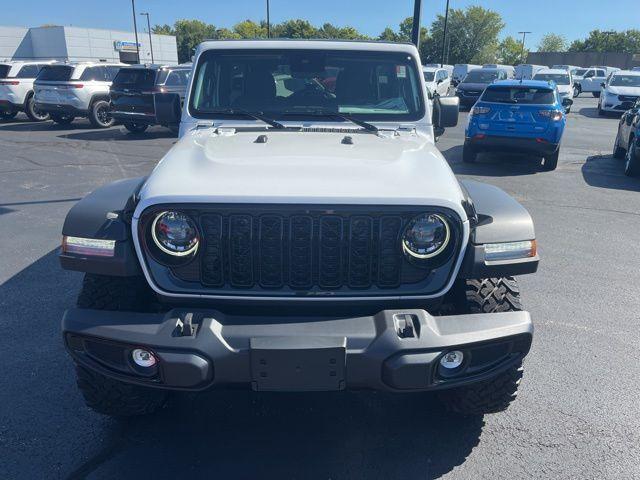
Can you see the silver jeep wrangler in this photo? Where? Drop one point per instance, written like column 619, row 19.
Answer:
column 304, row 234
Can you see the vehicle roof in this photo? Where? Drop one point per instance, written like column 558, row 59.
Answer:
column 557, row 71
column 87, row 64
column 431, row 69
column 297, row 44
column 157, row 66
column 27, row 62
column 521, row 83
column 635, row 73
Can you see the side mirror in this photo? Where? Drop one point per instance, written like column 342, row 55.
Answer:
column 567, row 102
column 603, row 84
column 168, row 109
column 445, row 113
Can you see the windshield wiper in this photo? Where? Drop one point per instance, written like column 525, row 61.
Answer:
column 254, row 115
column 326, row 113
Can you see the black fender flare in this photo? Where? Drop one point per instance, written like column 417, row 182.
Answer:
column 105, row 214
column 497, row 218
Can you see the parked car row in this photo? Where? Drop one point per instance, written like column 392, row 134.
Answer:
column 104, row 93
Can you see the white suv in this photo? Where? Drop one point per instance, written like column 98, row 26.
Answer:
column 67, row 91
column 620, row 92
column 437, row 80
column 16, row 89
column 562, row 79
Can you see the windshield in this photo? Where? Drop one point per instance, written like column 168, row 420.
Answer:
column 369, row 85
column 59, row 73
column 625, row 81
column 4, row 70
column 558, row 78
column 580, row 71
column 520, row 95
column 480, row 76
column 429, row 76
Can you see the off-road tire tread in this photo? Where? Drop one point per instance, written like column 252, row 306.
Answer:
column 117, row 399
column 487, row 295
column 101, row 292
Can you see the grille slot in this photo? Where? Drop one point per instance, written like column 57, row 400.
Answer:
column 297, row 250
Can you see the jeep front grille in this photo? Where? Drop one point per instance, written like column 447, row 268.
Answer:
column 296, row 249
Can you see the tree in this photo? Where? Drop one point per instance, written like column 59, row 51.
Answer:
column 389, row 35
column 294, row 29
column 405, row 30
column 510, row 51
column 189, row 34
column 250, row 29
column 472, row 37
column 552, row 42
column 329, row 30
column 598, row 41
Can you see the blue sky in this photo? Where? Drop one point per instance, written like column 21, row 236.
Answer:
column 572, row 18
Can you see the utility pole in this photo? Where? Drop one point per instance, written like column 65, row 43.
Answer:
column 146, row 14
column 444, row 34
column 268, row 22
column 135, row 28
column 417, row 14
column 524, row 37
column 607, row 34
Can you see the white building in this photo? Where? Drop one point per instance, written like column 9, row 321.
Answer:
column 77, row 44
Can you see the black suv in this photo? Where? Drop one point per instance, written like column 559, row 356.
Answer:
column 133, row 89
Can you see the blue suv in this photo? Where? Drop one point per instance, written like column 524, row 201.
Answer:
column 525, row 116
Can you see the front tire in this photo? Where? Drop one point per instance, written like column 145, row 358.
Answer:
column 551, row 161
column 618, row 151
column 136, row 127
column 469, row 154
column 489, row 295
column 577, row 90
column 100, row 114
column 33, row 113
column 62, row 119
column 104, row 394
column 632, row 163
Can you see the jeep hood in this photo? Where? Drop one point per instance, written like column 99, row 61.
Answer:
column 303, row 168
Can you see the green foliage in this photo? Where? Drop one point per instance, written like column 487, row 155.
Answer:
column 552, row 42
column 472, row 37
column 510, row 52
column 625, row 42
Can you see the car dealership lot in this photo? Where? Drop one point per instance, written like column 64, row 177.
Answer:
column 577, row 416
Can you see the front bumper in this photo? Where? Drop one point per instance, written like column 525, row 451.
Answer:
column 495, row 143
column 615, row 104
column 392, row 350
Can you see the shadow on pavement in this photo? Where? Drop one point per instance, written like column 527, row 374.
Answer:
column 592, row 112
column 241, row 434
column 217, row 434
column 46, row 126
column 604, row 171
column 492, row 164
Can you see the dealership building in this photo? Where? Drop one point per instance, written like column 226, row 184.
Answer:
column 75, row 44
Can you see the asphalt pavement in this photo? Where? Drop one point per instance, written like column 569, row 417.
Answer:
column 577, row 415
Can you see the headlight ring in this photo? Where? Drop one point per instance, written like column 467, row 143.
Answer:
column 426, row 236
column 175, row 234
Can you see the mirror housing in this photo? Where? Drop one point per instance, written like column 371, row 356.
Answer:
column 602, row 84
column 567, row 102
column 168, row 109
column 445, row 113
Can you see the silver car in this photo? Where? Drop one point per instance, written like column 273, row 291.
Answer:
column 67, row 91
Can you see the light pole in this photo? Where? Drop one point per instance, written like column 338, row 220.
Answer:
column 268, row 22
column 415, row 32
column 135, row 27
column 524, row 37
column 444, row 33
column 146, row 14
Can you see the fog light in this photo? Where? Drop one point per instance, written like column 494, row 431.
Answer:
column 143, row 358
column 452, row 359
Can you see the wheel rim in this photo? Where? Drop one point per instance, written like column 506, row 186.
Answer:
column 37, row 113
column 103, row 115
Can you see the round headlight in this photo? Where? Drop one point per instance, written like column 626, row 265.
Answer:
column 175, row 234
column 426, row 236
